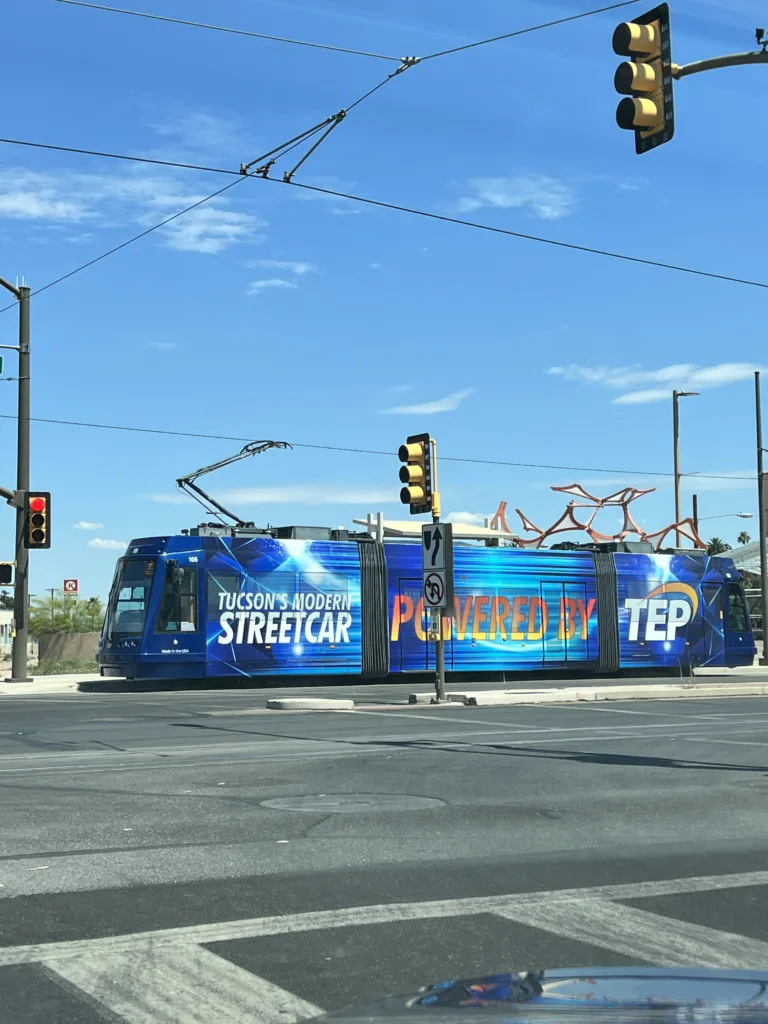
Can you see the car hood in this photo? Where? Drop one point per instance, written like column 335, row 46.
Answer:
column 593, row 995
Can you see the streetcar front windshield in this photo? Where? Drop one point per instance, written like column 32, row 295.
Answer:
column 130, row 597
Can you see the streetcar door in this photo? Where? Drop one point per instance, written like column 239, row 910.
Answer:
column 740, row 644
column 564, row 640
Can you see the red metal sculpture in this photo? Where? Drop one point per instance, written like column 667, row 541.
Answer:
column 620, row 499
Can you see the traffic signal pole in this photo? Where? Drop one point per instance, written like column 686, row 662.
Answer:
column 17, row 498
column 20, row 648
column 439, row 642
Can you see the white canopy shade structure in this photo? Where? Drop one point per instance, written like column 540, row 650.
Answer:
column 746, row 558
column 411, row 528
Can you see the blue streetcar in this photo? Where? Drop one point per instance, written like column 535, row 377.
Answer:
column 218, row 602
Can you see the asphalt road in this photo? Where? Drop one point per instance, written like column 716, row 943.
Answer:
column 188, row 857
column 396, row 690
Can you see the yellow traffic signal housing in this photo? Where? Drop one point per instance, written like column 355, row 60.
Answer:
column 37, row 526
column 417, row 474
column 646, row 79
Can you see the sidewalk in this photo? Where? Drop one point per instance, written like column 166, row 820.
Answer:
column 47, row 684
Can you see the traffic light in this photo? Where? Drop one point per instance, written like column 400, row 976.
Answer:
column 646, row 79
column 418, row 475
column 37, row 528
column 6, row 574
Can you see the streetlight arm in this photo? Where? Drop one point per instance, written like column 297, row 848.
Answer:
column 727, row 515
column 728, row 60
column 11, row 288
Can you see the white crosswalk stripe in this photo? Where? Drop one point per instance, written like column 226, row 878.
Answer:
column 641, row 935
column 181, row 985
column 168, row 977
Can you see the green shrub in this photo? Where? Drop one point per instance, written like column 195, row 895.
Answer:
column 65, row 666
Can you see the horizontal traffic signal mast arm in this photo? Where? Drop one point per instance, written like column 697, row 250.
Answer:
column 728, row 60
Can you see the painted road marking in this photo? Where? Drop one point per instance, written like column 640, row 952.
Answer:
column 639, row 934
column 183, row 985
column 347, row 917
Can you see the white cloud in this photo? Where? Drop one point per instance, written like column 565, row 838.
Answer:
column 257, row 287
column 546, row 197
column 84, row 525
column 468, row 518
column 447, row 404
column 308, row 494
column 200, row 131
column 680, row 376
column 339, row 212
column 107, row 545
column 27, row 195
column 139, row 197
column 375, row 266
column 298, row 268
column 163, row 346
column 210, row 229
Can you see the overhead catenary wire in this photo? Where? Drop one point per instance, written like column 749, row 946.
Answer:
column 573, row 246
column 342, row 49
column 525, row 31
column 528, row 237
column 229, row 31
column 374, row 451
column 120, row 156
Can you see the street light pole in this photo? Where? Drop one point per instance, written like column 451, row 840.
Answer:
column 761, row 510
column 676, row 453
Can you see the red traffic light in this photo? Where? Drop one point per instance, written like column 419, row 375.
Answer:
column 37, row 504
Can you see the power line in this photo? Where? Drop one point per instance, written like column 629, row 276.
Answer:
column 523, row 31
column 530, row 238
column 373, row 451
column 221, row 28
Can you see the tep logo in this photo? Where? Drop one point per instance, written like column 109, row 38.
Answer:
column 659, row 615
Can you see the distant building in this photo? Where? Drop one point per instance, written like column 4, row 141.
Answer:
column 6, row 618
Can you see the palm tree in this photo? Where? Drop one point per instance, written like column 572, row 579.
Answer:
column 743, row 538
column 715, row 546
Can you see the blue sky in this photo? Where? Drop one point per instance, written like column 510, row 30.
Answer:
column 272, row 313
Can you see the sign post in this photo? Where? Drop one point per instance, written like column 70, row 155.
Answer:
column 437, row 577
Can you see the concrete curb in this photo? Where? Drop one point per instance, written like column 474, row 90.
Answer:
column 40, row 685
column 673, row 691
column 309, row 704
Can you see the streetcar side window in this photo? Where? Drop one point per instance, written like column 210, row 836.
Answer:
column 178, row 604
column 737, row 610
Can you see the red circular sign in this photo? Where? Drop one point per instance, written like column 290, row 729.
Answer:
column 37, row 504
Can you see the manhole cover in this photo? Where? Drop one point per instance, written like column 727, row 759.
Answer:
column 351, row 803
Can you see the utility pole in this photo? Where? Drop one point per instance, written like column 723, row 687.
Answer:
column 52, row 592
column 17, row 498
column 761, row 511
column 696, row 512
column 676, row 395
